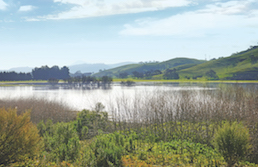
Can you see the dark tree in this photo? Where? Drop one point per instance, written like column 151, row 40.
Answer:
column 46, row 73
column 157, row 72
column 171, row 74
column 65, row 73
column 150, row 73
column 123, row 75
column 211, row 75
column 106, row 80
column 13, row 76
column 137, row 74
column 253, row 59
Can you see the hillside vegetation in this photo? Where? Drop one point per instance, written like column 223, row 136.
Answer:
column 152, row 66
column 239, row 66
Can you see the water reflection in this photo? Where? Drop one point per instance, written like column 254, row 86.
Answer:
column 87, row 98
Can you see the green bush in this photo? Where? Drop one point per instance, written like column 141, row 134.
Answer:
column 109, row 149
column 232, row 141
column 90, row 122
column 61, row 141
column 19, row 138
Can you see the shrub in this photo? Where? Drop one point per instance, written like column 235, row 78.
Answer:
column 91, row 122
column 61, row 141
column 19, row 137
column 232, row 141
column 108, row 149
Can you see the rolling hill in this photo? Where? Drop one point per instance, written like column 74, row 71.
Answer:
column 144, row 67
column 239, row 66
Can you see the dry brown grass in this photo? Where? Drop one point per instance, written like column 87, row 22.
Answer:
column 41, row 109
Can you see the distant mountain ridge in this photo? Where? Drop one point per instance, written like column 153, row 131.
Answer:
column 93, row 68
column 20, row 69
column 84, row 68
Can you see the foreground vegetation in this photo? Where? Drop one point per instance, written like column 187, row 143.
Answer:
column 183, row 128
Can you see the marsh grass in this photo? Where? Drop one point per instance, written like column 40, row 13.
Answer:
column 192, row 115
column 41, row 109
column 164, row 115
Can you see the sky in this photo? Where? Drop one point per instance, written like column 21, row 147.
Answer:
column 62, row 32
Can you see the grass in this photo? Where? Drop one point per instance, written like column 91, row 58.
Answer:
column 31, row 81
column 41, row 109
column 26, row 83
column 186, row 80
column 238, row 64
column 150, row 66
column 226, row 67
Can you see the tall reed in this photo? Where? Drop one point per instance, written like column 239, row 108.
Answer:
column 188, row 114
column 41, row 109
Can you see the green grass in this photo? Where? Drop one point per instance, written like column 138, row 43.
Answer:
column 25, row 83
column 202, row 80
column 226, row 67
column 151, row 66
column 17, row 82
column 238, row 65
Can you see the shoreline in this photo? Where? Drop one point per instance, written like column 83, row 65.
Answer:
column 117, row 81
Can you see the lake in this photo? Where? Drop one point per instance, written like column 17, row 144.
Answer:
column 79, row 99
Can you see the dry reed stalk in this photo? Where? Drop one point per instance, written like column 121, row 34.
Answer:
column 41, row 109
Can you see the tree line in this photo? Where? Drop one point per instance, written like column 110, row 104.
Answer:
column 42, row 73
column 13, row 76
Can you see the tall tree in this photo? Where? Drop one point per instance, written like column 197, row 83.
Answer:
column 171, row 74
column 46, row 73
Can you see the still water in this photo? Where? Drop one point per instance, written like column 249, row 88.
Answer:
column 79, row 99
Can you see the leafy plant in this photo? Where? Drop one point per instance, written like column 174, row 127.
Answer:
column 61, row 141
column 109, row 149
column 174, row 153
column 19, row 137
column 232, row 141
column 93, row 120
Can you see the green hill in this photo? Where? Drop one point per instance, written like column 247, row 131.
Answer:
column 240, row 66
column 145, row 67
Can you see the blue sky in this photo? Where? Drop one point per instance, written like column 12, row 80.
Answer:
column 61, row 32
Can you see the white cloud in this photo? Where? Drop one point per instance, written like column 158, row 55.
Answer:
column 26, row 8
column 3, row 5
column 91, row 8
column 213, row 19
column 31, row 19
column 230, row 7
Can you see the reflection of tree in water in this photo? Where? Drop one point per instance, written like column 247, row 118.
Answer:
column 89, row 82
column 127, row 83
column 53, row 81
